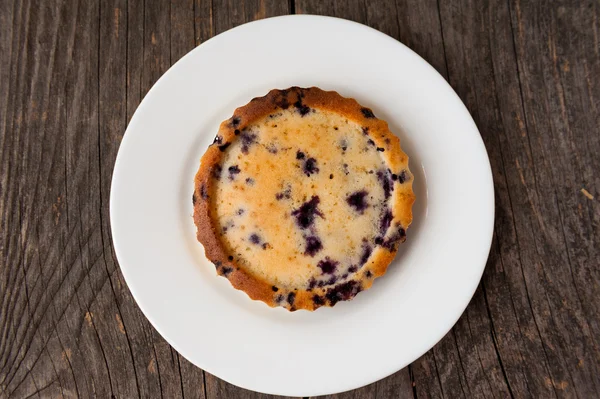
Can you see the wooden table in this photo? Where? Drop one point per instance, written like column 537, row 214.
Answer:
column 71, row 76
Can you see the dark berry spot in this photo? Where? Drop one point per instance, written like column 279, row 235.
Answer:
column 318, row 300
column 391, row 243
column 344, row 275
column 233, row 171
column 310, row 166
column 313, row 245
column 344, row 144
column 402, row 177
column 248, row 138
column 275, row 289
column 305, row 215
column 365, row 130
column 302, row 108
column 194, row 199
column 378, row 240
column 312, row 283
column 367, row 113
column 366, row 253
column 255, row 238
column 240, row 212
column 218, row 139
column 369, row 274
column 272, row 148
column 384, row 224
column 236, row 132
column 327, row 265
column 357, row 201
column 217, row 264
column 353, row 269
column 380, row 149
column 235, row 121
column 343, row 292
column 249, row 181
column 216, row 172
column 228, row 225
column 282, row 102
column 230, row 257
column 265, row 245
column 203, row 192
column 300, row 155
column 394, row 177
column 226, row 270
column 279, row 298
column 224, row 146
column 332, row 280
column 371, row 142
column 291, row 297
column 287, row 194
column 386, row 183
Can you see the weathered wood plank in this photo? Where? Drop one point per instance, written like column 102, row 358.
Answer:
column 227, row 14
column 73, row 73
column 217, row 388
column 49, row 283
column 561, row 124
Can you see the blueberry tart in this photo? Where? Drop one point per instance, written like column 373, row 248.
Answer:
column 303, row 198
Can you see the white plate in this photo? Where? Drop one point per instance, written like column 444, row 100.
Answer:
column 355, row 343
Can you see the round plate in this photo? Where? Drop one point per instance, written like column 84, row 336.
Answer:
column 244, row 342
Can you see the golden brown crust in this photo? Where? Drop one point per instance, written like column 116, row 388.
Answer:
column 229, row 130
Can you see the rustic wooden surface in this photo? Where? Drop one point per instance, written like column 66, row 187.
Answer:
column 73, row 72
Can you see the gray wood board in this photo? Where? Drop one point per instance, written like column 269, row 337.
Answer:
column 71, row 76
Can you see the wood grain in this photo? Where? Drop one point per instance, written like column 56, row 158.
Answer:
column 72, row 74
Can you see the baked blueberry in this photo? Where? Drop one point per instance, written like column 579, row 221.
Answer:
column 313, row 245
column 367, row 113
column 358, row 201
column 255, row 238
column 310, row 166
column 386, row 182
column 327, row 265
column 305, row 215
column 233, row 171
column 302, row 108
